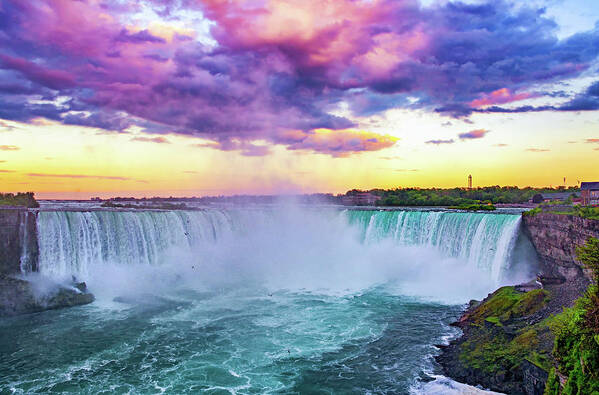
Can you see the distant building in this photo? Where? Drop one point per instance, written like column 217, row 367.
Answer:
column 360, row 199
column 590, row 193
column 557, row 196
column 470, row 181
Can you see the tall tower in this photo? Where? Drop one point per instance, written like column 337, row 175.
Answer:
column 470, row 181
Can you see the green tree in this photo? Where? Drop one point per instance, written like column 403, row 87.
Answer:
column 588, row 254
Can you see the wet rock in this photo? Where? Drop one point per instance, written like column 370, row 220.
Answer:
column 19, row 296
column 534, row 378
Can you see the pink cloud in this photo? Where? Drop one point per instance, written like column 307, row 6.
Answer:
column 84, row 176
column 275, row 71
column 500, row 96
column 338, row 143
column 473, row 134
column 9, row 148
column 158, row 140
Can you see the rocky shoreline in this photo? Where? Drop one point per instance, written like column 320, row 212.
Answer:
column 506, row 343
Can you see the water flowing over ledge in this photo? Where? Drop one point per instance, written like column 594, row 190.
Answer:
column 72, row 242
column 296, row 295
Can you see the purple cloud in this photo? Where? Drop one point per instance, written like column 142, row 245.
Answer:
column 439, row 142
column 272, row 73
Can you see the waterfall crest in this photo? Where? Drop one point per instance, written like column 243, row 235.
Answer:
column 70, row 242
column 482, row 240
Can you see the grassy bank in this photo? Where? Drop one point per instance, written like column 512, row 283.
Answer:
column 500, row 337
column 520, row 338
column 577, row 211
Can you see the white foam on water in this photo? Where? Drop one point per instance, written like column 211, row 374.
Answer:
column 442, row 385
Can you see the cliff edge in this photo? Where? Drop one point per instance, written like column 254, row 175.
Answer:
column 19, row 255
column 555, row 237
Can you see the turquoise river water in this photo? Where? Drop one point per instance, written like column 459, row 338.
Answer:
column 254, row 301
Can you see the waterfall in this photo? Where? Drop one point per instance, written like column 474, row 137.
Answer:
column 482, row 240
column 70, row 242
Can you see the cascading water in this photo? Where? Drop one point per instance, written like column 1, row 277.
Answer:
column 71, row 242
column 243, row 301
column 481, row 240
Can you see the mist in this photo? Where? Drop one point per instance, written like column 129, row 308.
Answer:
column 284, row 249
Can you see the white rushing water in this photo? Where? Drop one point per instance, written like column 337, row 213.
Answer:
column 303, row 248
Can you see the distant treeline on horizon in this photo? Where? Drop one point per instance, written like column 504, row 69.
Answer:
column 460, row 196
column 386, row 197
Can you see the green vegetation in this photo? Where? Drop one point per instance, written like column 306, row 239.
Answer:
column 587, row 212
column 21, row 199
column 161, row 206
column 458, row 196
column 499, row 340
column 576, row 348
column 588, row 254
column 507, row 303
column 474, row 207
column 577, row 211
column 576, row 330
column 509, row 327
column 532, row 212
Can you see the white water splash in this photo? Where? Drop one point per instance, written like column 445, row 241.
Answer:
column 448, row 257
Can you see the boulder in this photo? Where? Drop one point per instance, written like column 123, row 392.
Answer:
column 20, row 296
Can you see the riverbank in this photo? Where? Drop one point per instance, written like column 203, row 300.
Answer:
column 509, row 342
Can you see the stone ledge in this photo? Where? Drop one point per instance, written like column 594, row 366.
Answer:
column 18, row 296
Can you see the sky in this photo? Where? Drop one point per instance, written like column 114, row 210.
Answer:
column 210, row 97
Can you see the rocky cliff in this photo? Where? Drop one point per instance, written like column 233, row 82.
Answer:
column 507, row 343
column 555, row 237
column 19, row 256
column 18, row 241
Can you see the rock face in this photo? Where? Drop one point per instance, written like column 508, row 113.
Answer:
column 19, row 254
column 19, row 296
column 555, row 237
column 506, row 343
column 18, row 240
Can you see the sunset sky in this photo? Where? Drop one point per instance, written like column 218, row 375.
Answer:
column 209, row 97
